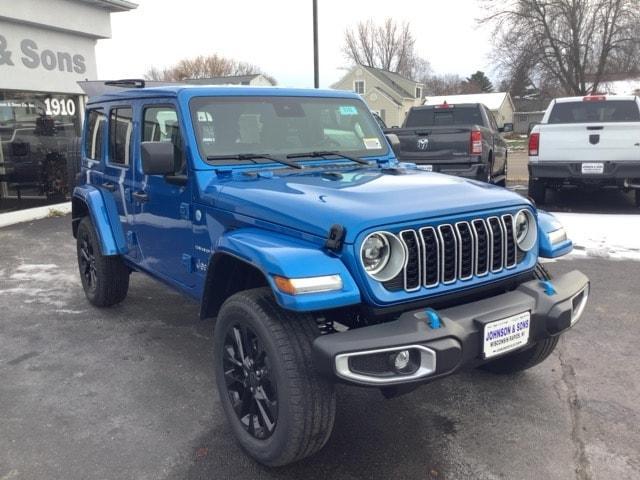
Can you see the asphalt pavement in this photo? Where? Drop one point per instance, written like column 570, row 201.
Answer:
column 128, row 392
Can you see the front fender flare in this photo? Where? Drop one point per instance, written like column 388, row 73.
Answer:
column 104, row 216
column 547, row 223
column 278, row 254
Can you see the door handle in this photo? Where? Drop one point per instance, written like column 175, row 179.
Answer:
column 141, row 197
column 109, row 186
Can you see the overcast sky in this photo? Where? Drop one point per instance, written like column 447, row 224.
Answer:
column 277, row 36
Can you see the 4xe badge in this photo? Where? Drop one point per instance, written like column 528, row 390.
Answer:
column 423, row 144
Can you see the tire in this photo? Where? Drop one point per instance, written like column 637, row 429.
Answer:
column 638, row 198
column 537, row 191
column 503, row 182
column 489, row 172
column 105, row 279
column 532, row 356
column 283, row 374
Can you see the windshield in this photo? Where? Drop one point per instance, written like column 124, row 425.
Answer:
column 595, row 111
column 284, row 125
column 428, row 117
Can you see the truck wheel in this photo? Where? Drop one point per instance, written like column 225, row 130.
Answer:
column 537, row 191
column 532, row 356
column 505, row 172
column 279, row 408
column 489, row 172
column 105, row 279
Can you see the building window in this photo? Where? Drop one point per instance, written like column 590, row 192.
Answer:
column 358, row 87
column 418, row 92
column 94, row 138
column 39, row 133
column 120, row 129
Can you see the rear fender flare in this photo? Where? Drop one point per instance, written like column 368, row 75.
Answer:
column 89, row 200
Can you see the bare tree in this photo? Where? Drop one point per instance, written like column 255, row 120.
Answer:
column 571, row 45
column 447, row 84
column 203, row 67
column 389, row 46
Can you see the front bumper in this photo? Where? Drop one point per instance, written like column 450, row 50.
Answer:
column 614, row 173
column 458, row 342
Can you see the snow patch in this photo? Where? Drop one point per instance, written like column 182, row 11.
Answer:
column 41, row 284
column 610, row 236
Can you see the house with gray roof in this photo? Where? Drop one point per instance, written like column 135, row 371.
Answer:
column 386, row 93
column 254, row 80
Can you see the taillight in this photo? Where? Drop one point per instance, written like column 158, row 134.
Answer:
column 534, row 144
column 594, row 98
column 444, row 105
column 475, row 146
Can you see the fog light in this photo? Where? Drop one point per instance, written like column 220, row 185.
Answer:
column 401, row 360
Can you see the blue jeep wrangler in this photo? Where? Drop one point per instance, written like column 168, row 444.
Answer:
column 286, row 215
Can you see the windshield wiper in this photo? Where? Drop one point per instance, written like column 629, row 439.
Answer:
column 252, row 157
column 320, row 153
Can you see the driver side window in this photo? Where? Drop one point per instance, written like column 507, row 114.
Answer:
column 161, row 125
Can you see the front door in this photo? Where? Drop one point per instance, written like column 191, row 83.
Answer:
column 163, row 225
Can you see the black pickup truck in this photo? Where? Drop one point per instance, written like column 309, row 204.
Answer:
column 457, row 139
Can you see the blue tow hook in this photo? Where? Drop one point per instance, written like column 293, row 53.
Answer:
column 433, row 318
column 549, row 289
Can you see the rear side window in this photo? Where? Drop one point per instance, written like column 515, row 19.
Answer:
column 595, row 111
column 120, row 134
column 94, row 139
column 427, row 117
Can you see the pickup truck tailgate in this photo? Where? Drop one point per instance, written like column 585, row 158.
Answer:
column 592, row 141
column 435, row 142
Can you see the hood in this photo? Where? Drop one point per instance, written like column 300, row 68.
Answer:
column 357, row 199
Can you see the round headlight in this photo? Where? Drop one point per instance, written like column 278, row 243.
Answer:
column 526, row 230
column 382, row 255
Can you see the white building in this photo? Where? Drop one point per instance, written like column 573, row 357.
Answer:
column 46, row 47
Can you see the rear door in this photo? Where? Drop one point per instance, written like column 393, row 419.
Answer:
column 592, row 130
column 118, row 173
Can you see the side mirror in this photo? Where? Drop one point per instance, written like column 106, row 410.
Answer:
column 531, row 125
column 507, row 127
column 394, row 141
column 158, row 158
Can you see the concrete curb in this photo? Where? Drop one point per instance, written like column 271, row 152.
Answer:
column 36, row 213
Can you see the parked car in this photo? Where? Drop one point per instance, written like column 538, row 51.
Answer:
column 285, row 214
column 589, row 142
column 457, row 139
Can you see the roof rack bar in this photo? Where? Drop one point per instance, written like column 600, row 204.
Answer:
column 126, row 83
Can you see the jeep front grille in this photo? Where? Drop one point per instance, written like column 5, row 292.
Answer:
column 446, row 253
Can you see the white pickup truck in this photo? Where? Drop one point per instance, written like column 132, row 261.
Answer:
column 588, row 142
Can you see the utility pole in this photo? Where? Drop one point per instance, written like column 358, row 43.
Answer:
column 316, row 72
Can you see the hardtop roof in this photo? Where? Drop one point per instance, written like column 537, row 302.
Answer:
column 174, row 91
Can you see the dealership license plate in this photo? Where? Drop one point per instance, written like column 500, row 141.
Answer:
column 593, row 168
column 426, row 168
column 507, row 334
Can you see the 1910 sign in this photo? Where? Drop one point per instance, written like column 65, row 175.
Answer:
column 32, row 57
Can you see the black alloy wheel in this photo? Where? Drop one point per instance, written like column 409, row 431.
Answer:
column 247, row 374
column 87, row 261
column 279, row 408
column 105, row 278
